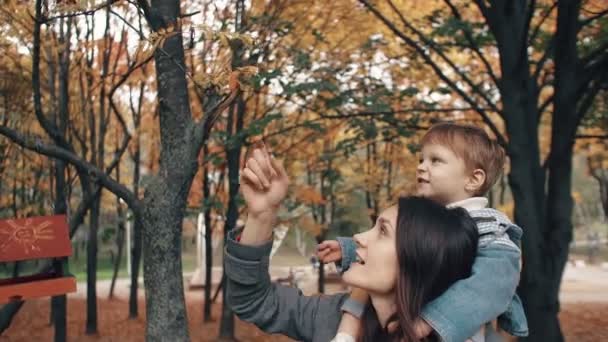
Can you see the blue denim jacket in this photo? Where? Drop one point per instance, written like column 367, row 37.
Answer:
column 487, row 294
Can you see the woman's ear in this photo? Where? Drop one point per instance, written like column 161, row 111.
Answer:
column 475, row 181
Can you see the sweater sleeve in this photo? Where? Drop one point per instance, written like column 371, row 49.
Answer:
column 272, row 307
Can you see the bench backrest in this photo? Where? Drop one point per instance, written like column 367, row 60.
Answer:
column 34, row 238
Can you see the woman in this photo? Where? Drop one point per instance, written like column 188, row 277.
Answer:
column 414, row 252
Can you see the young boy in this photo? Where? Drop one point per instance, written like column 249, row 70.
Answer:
column 458, row 165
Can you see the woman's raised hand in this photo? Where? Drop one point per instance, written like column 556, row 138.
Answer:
column 264, row 182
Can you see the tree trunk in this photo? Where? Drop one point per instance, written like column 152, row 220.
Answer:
column 91, row 322
column 8, row 312
column 602, row 179
column 233, row 155
column 59, row 303
column 165, row 197
column 136, row 253
column 234, row 126
column 136, row 249
column 556, row 231
column 208, row 239
column 120, row 238
column 162, row 227
column 321, row 282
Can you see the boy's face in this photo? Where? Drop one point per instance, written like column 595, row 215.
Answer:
column 441, row 175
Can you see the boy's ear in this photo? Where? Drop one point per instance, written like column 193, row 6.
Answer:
column 475, row 181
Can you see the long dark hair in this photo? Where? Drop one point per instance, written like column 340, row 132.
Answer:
column 436, row 247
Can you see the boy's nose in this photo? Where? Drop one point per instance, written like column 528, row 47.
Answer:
column 421, row 168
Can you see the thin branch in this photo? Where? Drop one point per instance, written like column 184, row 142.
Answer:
column 545, row 104
column 482, row 8
column 472, row 42
column 139, row 32
column 536, row 30
column 591, row 56
column 79, row 13
column 591, row 136
column 590, row 94
column 392, row 112
column 212, row 110
column 591, row 19
column 51, row 129
column 541, row 62
column 526, row 30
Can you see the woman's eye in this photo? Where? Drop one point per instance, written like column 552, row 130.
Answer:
column 382, row 230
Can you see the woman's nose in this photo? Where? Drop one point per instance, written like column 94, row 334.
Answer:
column 360, row 239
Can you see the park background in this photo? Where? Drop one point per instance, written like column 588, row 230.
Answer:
column 134, row 117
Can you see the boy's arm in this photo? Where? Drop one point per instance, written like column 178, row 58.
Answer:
column 462, row 309
column 352, row 311
column 348, row 248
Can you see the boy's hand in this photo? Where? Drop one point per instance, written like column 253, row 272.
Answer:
column 422, row 328
column 329, row 251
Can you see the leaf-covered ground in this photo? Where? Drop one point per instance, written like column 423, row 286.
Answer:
column 580, row 322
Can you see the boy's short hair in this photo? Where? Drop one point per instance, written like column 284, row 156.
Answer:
column 473, row 145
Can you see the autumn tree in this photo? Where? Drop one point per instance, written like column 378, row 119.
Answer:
column 523, row 49
column 181, row 138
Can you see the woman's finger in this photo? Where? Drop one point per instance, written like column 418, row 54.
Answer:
column 260, row 158
column 267, row 154
column 250, row 177
column 255, row 167
column 278, row 167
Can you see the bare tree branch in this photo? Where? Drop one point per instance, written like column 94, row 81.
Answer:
column 542, row 20
column 525, row 31
column 51, row 129
column 429, row 43
column 593, row 18
column 79, row 13
column 592, row 136
column 590, row 93
column 36, row 144
column 592, row 56
column 541, row 62
column 139, row 32
column 472, row 42
column 486, row 119
column 213, row 109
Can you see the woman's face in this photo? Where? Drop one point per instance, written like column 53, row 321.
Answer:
column 377, row 267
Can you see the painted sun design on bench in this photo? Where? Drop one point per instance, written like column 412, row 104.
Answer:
column 26, row 235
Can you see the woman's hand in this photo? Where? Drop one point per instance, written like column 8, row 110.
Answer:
column 264, row 183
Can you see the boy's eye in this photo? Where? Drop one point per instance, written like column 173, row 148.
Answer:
column 435, row 160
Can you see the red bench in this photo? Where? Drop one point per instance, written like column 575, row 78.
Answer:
column 35, row 238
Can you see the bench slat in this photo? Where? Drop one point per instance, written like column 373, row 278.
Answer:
column 37, row 288
column 34, row 238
